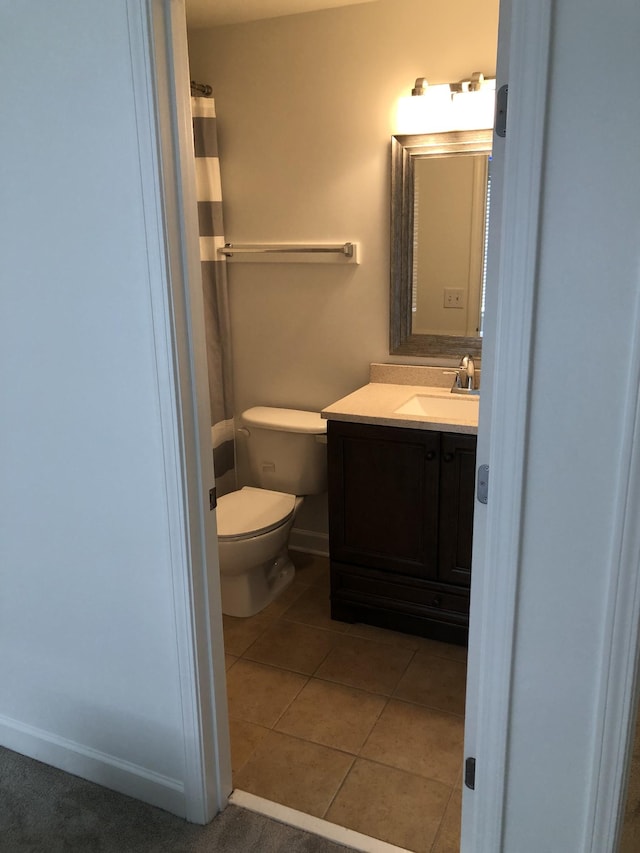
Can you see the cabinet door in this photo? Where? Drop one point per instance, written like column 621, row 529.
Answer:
column 383, row 497
column 457, row 493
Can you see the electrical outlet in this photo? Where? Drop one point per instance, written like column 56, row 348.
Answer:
column 453, row 297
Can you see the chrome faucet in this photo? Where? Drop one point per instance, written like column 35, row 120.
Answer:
column 466, row 374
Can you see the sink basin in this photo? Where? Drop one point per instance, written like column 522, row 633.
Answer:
column 439, row 407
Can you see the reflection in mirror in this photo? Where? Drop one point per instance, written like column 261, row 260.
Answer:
column 439, row 224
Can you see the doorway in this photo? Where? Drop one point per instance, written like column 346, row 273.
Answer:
column 514, row 349
column 308, row 306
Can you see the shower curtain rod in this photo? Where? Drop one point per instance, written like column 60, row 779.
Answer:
column 203, row 88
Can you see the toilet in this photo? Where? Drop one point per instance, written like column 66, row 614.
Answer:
column 287, row 460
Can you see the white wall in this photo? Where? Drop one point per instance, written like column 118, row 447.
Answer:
column 88, row 653
column 306, row 109
column 587, row 293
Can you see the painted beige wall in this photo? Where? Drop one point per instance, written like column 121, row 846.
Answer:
column 306, row 109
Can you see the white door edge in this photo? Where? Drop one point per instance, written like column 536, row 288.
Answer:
column 523, row 57
column 617, row 669
column 166, row 142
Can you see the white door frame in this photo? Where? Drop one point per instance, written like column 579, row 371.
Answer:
column 523, row 60
column 524, row 50
column 167, row 147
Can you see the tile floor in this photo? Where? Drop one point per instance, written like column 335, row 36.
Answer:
column 351, row 723
column 630, row 833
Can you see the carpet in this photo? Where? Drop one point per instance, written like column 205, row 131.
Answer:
column 44, row 810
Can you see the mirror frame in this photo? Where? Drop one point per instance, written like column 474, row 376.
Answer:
column 405, row 149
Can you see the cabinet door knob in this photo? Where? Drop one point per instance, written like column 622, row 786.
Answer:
column 436, row 602
column 431, row 455
column 448, row 457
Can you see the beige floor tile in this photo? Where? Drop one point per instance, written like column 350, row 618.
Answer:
column 333, row 715
column 417, row 739
column 630, row 835
column 444, row 650
column 365, row 664
column 310, row 568
column 434, row 682
column 314, row 608
column 286, row 598
column 289, row 645
column 392, row 805
column 229, row 661
column 636, row 738
column 301, row 775
column 324, row 582
column 448, row 840
column 245, row 738
column 260, row 694
column 383, row 635
column 240, row 633
column 409, row 641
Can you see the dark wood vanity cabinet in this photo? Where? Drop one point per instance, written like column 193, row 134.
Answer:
column 400, row 527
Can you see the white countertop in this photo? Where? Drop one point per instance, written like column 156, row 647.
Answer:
column 376, row 403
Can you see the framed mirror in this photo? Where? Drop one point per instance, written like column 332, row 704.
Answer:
column 439, row 218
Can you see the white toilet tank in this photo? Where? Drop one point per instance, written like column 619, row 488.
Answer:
column 287, row 449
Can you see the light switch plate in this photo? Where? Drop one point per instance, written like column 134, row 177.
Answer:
column 453, row 297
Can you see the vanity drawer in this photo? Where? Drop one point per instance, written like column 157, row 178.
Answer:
column 353, row 583
column 365, row 595
column 374, row 585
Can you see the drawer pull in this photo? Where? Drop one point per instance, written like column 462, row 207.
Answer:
column 436, row 602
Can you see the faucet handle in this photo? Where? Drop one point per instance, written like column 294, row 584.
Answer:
column 467, row 373
column 467, row 362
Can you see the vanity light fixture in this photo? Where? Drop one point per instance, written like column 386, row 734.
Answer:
column 466, row 105
column 420, row 87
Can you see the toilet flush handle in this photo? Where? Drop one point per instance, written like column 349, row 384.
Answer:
column 243, row 431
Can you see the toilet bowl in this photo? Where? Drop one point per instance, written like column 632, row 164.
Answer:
column 287, row 454
column 253, row 531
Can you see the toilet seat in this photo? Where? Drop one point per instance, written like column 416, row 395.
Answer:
column 250, row 512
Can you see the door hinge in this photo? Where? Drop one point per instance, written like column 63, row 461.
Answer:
column 212, row 499
column 482, row 491
column 470, row 773
column 502, row 97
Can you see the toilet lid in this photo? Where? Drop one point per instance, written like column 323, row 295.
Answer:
column 251, row 511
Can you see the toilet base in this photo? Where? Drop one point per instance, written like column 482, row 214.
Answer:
column 250, row 592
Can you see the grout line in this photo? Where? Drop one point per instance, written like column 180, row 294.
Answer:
column 316, row 743
column 339, row 788
column 273, row 727
column 428, row 707
column 335, row 631
column 377, row 720
column 404, row 672
column 436, row 838
column 413, row 773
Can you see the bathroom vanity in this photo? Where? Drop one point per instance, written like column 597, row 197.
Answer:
column 401, row 471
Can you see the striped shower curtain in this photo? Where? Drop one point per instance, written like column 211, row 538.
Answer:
column 214, row 282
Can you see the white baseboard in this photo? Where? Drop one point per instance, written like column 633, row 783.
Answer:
column 310, row 541
column 98, row 767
